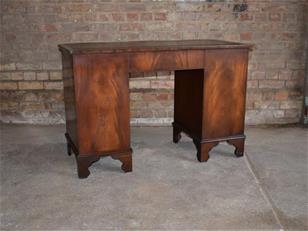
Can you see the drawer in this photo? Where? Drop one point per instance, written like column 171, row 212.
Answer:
column 166, row 60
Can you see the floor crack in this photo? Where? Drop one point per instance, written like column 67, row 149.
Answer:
column 264, row 193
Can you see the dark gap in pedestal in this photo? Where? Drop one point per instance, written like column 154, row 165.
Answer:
column 188, row 101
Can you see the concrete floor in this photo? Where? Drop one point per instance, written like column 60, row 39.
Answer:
column 168, row 189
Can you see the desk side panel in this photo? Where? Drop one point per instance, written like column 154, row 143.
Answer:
column 224, row 93
column 69, row 95
column 102, row 97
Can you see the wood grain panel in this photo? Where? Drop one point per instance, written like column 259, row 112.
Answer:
column 164, row 61
column 102, row 96
column 224, row 93
column 69, row 96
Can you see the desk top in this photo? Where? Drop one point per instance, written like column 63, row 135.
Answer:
column 137, row 46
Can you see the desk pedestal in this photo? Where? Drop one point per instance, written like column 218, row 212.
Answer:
column 210, row 103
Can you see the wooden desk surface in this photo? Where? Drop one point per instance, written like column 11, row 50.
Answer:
column 137, row 46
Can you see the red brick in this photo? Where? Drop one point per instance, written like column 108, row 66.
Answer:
column 285, row 74
column 245, row 17
column 160, row 16
column 13, row 7
column 294, row 83
column 246, row 36
column 10, row 36
column 272, row 84
column 17, row 75
column 272, row 75
column 252, row 84
column 53, row 85
column 288, row 35
column 139, row 84
column 279, row 114
column 292, row 113
column 136, row 96
column 291, row 104
column 188, row 26
column 132, row 36
column 7, row 66
column 5, row 76
column 103, row 17
column 260, row 17
column 118, row 17
column 163, row 96
column 281, row 95
column 275, row 16
column 162, row 84
column 149, row 96
column 130, row 27
column 85, row 37
column 29, row 75
column 137, row 104
column 266, row 105
column 258, row 75
column 78, row 7
column 50, row 28
column 146, row 16
column 107, row 7
column 163, row 75
column 132, row 16
column 31, row 85
column 189, row 6
column 55, row 75
column 8, row 85
column 133, row 7
column 59, row 37
column 268, row 94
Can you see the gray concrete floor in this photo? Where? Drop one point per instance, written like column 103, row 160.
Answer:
column 168, row 189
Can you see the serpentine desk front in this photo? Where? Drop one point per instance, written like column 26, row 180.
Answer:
column 209, row 95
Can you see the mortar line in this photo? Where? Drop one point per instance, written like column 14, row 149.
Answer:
column 264, row 193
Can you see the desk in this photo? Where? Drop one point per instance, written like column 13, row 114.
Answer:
column 209, row 95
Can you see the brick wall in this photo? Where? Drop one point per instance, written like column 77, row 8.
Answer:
column 31, row 87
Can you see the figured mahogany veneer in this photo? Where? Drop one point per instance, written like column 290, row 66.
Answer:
column 209, row 99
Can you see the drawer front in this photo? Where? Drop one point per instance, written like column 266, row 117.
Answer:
column 166, row 60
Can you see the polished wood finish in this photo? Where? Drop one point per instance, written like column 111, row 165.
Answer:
column 102, row 103
column 143, row 46
column 209, row 99
column 165, row 60
column 69, row 96
column 224, row 93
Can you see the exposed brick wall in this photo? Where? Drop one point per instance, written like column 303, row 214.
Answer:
column 31, row 87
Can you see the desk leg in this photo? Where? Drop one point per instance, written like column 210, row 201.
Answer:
column 126, row 159
column 203, row 149
column 239, row 146
column 176, row 133
column 69, row 149
column 83, row 164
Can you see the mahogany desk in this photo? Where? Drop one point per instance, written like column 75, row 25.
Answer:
column 209, row 94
